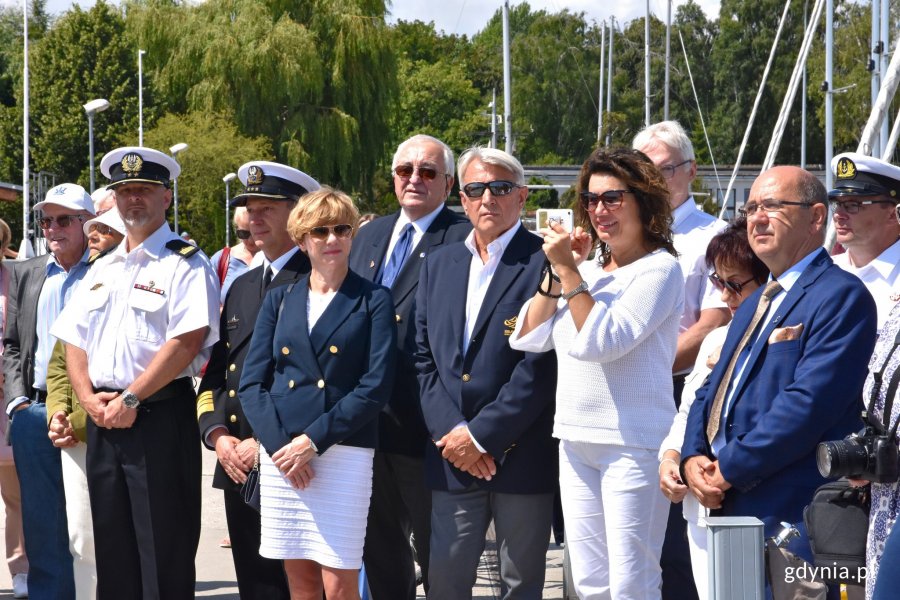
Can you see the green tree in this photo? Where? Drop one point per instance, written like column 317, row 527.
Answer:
column 215, row 148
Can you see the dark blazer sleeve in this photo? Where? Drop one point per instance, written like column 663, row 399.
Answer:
column 15, row 356
column 439, row 408
column 210, row 393
column 363, row 404
column 257, row 376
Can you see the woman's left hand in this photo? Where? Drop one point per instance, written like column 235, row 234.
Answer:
column 292, row 460
column 558, row 246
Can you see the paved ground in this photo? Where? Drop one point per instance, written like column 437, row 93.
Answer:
column 215, row 571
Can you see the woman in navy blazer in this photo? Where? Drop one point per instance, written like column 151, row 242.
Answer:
column 318, row 371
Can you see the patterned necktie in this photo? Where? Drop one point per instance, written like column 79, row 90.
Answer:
column 398, row 257
column 715, row 415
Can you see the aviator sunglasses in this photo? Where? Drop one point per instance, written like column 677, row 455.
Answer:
column 426, row 173
column 62, row 221
column 340, row 231
column 101, row 229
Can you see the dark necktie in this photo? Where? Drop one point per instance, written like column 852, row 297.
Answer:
column 267, row 277
column 398, row 257
column 715, row 414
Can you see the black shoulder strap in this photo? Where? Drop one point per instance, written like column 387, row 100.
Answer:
column 877, row 377
column 182, row 248
column 100, row 255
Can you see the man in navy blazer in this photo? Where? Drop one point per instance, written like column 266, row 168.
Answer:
column 799, row 379
column 401, row 504
column 488, row 408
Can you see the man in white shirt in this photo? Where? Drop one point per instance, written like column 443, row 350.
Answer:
column 137, row 331
column 863, row 201
column 488, row 408
column 670, row 149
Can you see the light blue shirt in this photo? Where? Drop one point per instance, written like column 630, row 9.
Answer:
column 787, row 281
column 54, row 294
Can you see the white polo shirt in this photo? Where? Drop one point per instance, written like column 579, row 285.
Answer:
column 131, row 303
column 879, row 276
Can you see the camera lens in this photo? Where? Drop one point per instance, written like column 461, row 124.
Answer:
column 843, row 458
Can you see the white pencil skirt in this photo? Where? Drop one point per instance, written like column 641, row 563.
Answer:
column 326, row 522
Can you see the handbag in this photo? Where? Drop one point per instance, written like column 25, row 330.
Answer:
column 837, row 522
column 250, row 489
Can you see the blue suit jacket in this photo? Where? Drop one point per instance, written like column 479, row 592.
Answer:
column 506, row 395
column 794, row 394
column 330, row 383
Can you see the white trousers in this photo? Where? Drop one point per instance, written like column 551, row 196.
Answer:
column 615, row 520
column 699, row 559
column 81, row 527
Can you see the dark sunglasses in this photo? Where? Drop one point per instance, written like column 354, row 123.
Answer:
column 322, row 231
column 611, row 199
column 733, row 286
column 498, row 188
column 242, row 234
column 62, row 221
column 426, row 173
column 101, row 229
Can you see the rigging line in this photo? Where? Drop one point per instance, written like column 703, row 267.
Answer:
column 700, row 112
column 581, row 74
column 759, row 92
column 459, row 17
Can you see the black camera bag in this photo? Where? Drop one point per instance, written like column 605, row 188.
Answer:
column 837, row 521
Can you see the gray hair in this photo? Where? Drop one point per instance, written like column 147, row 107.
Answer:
column 670, row 133
column 422, row 138
column 494, row 157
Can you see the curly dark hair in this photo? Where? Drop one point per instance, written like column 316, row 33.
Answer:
column 732, row 248
column 645, row 180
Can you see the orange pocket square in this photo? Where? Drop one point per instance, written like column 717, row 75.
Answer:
column 786, row 334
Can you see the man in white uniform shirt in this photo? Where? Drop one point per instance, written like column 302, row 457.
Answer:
column 669, row 147
column 863, row 202
column 139, row 328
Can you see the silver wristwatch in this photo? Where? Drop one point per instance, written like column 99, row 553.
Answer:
column 581, row 287
column 130, row 400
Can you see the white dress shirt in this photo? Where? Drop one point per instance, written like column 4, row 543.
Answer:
column 278, row 263
column 881, row 277
column 131, row 303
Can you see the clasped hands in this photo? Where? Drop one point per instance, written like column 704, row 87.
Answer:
column 460, row 450
column 60, row 431
column 293, row 461
column 236, row 456
column 107, row 409
column 706, row 481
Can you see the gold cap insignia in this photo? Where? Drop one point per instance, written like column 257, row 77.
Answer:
column 846, row 169
column 132, row 164
column 255, row 175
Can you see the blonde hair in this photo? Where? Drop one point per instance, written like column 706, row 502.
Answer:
column 325, row 206
column 5, row 238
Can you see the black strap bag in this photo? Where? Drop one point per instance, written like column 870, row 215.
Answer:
column 837, row 522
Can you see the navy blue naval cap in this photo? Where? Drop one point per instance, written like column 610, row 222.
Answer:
column 139, row 165
column 274, row 181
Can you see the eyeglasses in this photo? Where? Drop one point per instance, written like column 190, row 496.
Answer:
column 851, row 207
column 498, row 188
column 101, row 229
column 242, row 234
column 770, row 206
column 668, row 171
column 733, row 286
column 322, row 231
column 62, row 221
column 611, row 199
column 426, row 173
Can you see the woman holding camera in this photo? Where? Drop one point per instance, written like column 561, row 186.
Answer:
column 614, row 324
column 736, row 272
column 319, row 370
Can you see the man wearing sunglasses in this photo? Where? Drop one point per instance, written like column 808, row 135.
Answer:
column 863, row 202
column 390, row 250
column 262, row 209
column 139, row 328
column 488, row 408
column 669, row 147
column 38, row 290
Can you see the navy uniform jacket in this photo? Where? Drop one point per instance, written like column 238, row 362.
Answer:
column 793, row 395
column 330, row 383
column 400, row 424
column 217, row 401
column 507, row 396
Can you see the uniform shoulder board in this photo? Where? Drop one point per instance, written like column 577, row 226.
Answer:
column 182, row 248
column 100, row 255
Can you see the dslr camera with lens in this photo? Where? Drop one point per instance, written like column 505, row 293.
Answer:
column 870, row 454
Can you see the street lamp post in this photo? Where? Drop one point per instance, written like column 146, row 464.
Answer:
column 91, row 108
column 141, row 54
column 228, row 179
column 174, row 150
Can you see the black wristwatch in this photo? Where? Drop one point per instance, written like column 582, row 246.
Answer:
column 130, row 400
